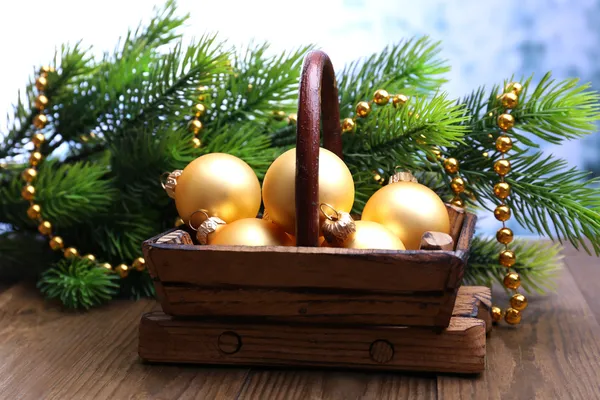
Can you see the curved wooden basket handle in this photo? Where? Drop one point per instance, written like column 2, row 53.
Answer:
column 318, row 102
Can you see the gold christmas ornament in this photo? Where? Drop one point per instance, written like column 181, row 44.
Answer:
column 70, row 253
column 45, row 228
column 504, row 235
column 337, row 226
column 40, row 121
column 512, row 316
column 381, row 97
column 503, row 144
column 122, row 270
column 196, row 143
column 41, row 83
column 502, row 190
column 28, row 192
column 139, row 264
column 41, row 102
column 199, row 110
column 56, row 243
column 37, row 139
column 336, row 187
column 507, row 258
column 251, row 232
column 89, row 257
column 502, row 213
column 34, row 211
column 29, row 174
column 408, row 209
column 223, row 185
column 35, row 158
column 518, row 302
column 509, row 100
column 506, row 121
column 400, row 100
column 451, row 165
column 363, row 109
column 457, row 184
column 195, row 126
column 371, row 235
column 514, row 87
column 512, row 280
column 496, row 314
column 208, row 226
column 348, row 125
column 502, row 167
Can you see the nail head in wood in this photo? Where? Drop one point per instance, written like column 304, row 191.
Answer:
column 381, row 351
column 436, row 241
column 229, row 342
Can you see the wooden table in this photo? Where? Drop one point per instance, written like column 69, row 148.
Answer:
column 48, row 353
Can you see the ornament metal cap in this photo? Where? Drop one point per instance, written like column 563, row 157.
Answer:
column 208, row 226
column 402, row 176
column 338, row 226
column 171, row 182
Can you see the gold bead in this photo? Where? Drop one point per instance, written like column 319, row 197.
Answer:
column 292, row 119
column 509, row 100
column 451, row 165
column 458, row 184
column 92, row 135
column 203, row 89
column 178, row 222
column 377, row 177
column 437, row 154
column 38, row 139
column 84, row 138
column 348, row 125
column 90, row 257
column 502, row 167
column 512, row 280
column 40, row 121
column 504, row 236
column 363, row 109
column 29, row 174
column 201, row 97
column 518, row 302
column 502, row 213
column 506, row 121
column 503, row 144
column 196, row 143
column 485, row 154
column 199, row 110
column 45, row 228
column 250, row 87
column 122, row 270
column 56, row 243
column 502, row 190
column 106, row 266
column 34, row 211
column 35, row 158
column 41, row 83
column 417, row 116
column 28, row 192
column 400, row 100
column 279, row 115
column 458, row 202
column 381, row 97
column 514, row 87
column 139, row 263
column 45, row 70
column 195, row 126
column 41, row 102
column 496, row 314
column 507, row 258
column 70, row 253
column 512, row 316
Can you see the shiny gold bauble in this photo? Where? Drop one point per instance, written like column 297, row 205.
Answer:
column 381, row 97
column 45, row 228
column 195, row 126
column 89, row 257
column 514, row 87
column 457, row 184
column 35, row 158
column 496, row 314
column 504, row 235
column 122, row 270
column 363, row 109
column 336, row 187
column 251, row 232
column 502, row 213
column 509, row 100
column 502, row 167
column 512, row 280
column 199, row 110
column 512, row 316
column 41, row 83
column 29, row 174
column 371, row 235
column 139, row 264
column 503, row 144
column 56, row 243
column 507, row 258
column 28, row 192
column 502, row 190
column 196, row 143
column 518, row 302
column 221, row 184
column 451, row 165
column 41, row 102
column 34, row 211
column 458, row 202
column 400, row 100
column 506, row 121
column 408, row 209
column 348, row 125
column 70, row 253
column 37, row 139
column 40, row 121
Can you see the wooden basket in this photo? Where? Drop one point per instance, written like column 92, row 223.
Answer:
column 221, row 291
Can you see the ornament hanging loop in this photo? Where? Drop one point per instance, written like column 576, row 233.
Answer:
column 190, row 223
column 331, row 217
column 170, row 183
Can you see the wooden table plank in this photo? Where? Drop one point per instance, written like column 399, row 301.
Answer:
column 586, row 272
column 47, row 353
column 554, row 353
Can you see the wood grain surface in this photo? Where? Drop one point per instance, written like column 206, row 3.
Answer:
column 50, row 354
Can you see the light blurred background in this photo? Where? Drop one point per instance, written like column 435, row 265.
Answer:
column 484, row 41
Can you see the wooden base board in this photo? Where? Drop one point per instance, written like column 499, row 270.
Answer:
column 460, row 348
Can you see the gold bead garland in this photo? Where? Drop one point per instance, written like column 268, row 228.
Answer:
column 507, row 258
column 381, row 97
